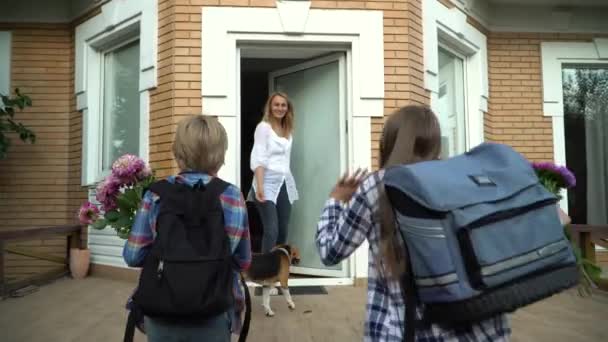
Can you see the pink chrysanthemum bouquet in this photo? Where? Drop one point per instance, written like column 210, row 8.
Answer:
column 119, row 196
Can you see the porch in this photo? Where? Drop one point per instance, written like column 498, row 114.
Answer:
column 93, row 310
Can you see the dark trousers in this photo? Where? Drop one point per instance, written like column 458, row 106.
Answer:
column 215, row 329
column 275, row 218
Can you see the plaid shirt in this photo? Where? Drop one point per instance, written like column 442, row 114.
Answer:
column 343, row 228
column 236, row 225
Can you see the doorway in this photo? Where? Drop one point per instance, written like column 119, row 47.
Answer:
column 316, row 83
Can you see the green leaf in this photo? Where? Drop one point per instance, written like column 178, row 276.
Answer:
column 592, row 270
column 100, row 224
column 7, row 125
column 131, row 195
column 124, row 221
column 111, row 216
column 123, row 233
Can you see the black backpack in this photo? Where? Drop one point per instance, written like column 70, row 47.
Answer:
column 188, row 273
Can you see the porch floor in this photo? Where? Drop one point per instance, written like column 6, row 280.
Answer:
column 93, row 310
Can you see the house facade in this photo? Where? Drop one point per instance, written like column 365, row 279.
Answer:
column 111, row 77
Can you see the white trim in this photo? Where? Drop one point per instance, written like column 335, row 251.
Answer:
column 554, row 56
column 536, row 17
column 220, row 38
column 294, row 15
column 5, row 63
column 444, row 26
column 360, row 33
column 119, row 21
column 547, row 19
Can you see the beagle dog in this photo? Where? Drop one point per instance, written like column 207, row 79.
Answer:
column 268, row 268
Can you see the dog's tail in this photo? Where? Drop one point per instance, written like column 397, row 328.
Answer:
column 247, row 319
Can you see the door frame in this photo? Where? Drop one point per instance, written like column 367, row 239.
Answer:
column 303, row 27
column 554, row 55
column 343, row 100
column 352, row 263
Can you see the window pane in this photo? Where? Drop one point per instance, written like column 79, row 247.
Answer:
column 451, row 108
column 586, row 133
column 5, row 59
column 120, row 103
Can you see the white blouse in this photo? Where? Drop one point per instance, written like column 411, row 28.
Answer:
column 273, row 152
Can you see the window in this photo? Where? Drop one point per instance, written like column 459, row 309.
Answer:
column 585, row 90
column 455, row 75
column 115, row 69
column 120, row 104
column 5, row 62
column 451, row 103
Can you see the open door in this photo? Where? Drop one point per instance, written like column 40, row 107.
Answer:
column 317, row 89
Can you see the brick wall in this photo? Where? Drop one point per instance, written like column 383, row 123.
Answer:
column 515, row 113
column 34, row 179
column 162, row 99
column 179, row 92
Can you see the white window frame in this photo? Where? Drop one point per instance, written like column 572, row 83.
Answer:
column 102, row 120
column 448, row 27
column 5, row 62
column 554, row 56
column 465, row 91
column 120, row 21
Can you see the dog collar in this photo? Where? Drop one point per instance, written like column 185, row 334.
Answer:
column 284, row 251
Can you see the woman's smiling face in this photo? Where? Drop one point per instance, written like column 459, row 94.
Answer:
column 278, row 107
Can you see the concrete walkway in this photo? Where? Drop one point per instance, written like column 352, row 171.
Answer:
column 93, row 310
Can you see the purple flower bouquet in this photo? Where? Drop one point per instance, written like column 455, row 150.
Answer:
column 554, row 177
column 119, row 196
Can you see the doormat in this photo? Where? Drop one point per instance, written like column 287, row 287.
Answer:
column 297, row 290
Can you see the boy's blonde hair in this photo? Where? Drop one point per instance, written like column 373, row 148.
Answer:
column 200, row 144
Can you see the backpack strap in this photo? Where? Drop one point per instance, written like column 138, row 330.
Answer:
column 160, row 187
column 130, row 328
column 217, row 186
column 409, row 335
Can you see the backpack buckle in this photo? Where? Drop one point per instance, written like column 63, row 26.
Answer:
column 159, row 270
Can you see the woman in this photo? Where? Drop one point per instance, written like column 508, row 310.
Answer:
column 358, row 209
column 274, row 189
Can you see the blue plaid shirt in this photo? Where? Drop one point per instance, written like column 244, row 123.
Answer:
column 343, row 228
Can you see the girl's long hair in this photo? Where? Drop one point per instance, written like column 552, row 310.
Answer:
column 411, row 134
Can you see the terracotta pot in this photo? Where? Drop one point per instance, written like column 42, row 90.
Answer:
column 79, row 262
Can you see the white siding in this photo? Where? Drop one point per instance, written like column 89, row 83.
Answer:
column 105, row 245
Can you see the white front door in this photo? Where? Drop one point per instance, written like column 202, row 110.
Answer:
column 317, row 91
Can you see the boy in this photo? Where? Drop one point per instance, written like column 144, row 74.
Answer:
column 199, row 148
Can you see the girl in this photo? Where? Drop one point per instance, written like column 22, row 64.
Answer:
column 358, row 209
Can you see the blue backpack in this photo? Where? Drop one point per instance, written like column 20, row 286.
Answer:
column 483, row 236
